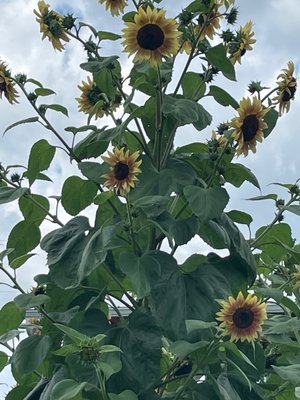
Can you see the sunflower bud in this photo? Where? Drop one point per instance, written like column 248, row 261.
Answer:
column 21, row 79
column 295, row 190
column 255, row 87
column 15, row 178
column 227, row 36
column 32, row 97
column 222, row 128
column 279, row 203
column 231, row 17
column 68, row 21
column 185, row 17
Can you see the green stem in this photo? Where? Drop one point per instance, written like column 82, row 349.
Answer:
column 136, row 247
column 216, row 166
column 101, row 381
column 114, row 278
column 276, row 392
column 13, row 279
column 268, row 94
column 159, row 121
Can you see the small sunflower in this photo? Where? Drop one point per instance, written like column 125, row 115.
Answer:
column 7, row 85
column 242, row 318
column 242, row 43
column 287, row 86
column 114, row 6
column 95, row 102
column 249, row 125
column 51, row 25
column 124, row 170
column 151, row 36
column 212, row 22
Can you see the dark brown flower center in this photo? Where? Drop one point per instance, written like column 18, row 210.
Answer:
column 94, row 95
column 250, row 127
column 289, row 94
column 2, row 87
column 121, row 171
column 243, row 51
column 150, row 37
column 243, row 317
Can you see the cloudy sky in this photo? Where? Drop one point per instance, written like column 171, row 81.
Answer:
column 277, row 30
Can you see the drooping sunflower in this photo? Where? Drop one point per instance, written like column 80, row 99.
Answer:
column 151, row 36
column 7, row 85
column 212, row 22
column 243, row 42
column 242, row 318
column 249, row 125
column 124, row 170
column 51, row 25
column 287, row 86
column 95, row 102
column 114, row 6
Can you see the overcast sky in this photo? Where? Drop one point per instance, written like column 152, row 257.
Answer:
column 277, row 30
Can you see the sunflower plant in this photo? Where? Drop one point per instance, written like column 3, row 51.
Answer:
column 116, row 315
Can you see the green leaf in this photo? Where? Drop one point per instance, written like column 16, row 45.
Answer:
column 184, row 230
column 30, row 300
column 58, row 108
column 67, row 389
column 192, row 263
column 240, row 217
column 274, row 293
column 270, row 196
column 24, row 237
column 92, row 170
column 23, row 121
column 74, row 335
column 193, row 86
column 77, row 194
column 152, row 205
column 290, row 373
column 215, row 235
column 35, row 82
column 236, row 174
column 271, row 119
column 283, row 325
column 222, row 97
column 34, row 208
column 206, row 203
column 3, row 360
column 291, row 305
column 227, row 391
column 44, row 92
column 96, row 66
column 40, row 158
column 182, row 348
column 103, row 35
column 91, row 146
column 8, row 194
column 11, row 317
column 217, row 57
column 293, row 208
column 125, row 395
column 142, row 271
column 30, row 353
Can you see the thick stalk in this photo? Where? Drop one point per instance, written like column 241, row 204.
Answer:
column 158, row 123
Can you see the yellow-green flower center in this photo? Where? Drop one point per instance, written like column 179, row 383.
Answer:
column 243, row 317
column 250, row 127
column 150, row 37
column 121, row 171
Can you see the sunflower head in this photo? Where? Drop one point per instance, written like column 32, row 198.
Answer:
column 241, row 43
column 114, row 6
column 287, row 86
column 95, row 102
column 51, row 25
column 7, row 85
column 249, row 125
column 124, row 168
column 151, row 36
column 242, row 318
column 211, row 22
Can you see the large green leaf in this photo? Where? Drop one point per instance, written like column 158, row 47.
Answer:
column 3, row 360
column 237, row 174
column 35, row 208
column 218, row 58
column 40, row 158
column 8, row 194
column 140, row 342
column 24, row 237
column 11, row 317
column 206, row 203
column 29, row 300
column 193, row 86
column 222, row 97
column 68, row 389
column 143, row 271
column 77, row 194
column 290, row 373
column 91, row 146
column 271, row 119
column 125, row 395
column 30, row 353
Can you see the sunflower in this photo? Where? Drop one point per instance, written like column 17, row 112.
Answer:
column 114, row 6
column 242, row 43
column 151, row 36
column 95, row 102
column 242, row 317
column 51, row 25
column 7, row 86
column 249, row 125
column 124, row 170
column 287, row 86
column 212, row 22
